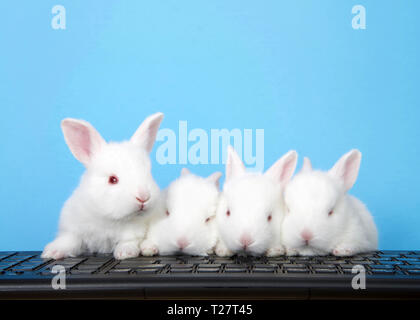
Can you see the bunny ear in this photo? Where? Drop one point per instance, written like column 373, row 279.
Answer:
column 82, row 138
column 283, row 169
column 307, row 165
column 214, row 178
column 145, row 135
column 185, row 172
column 347, row 168
column 234, row 165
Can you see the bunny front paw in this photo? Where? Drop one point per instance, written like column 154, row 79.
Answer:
column 292, row 252
column 275, row 252
column 342, row 251
column 62, row 247
column 223, row 251
column 148, row 249
column 54, row 253
column 126, row 250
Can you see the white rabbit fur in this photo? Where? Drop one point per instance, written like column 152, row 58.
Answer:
column 188, row 225
column 250, row 209
column 101, row 216
column 319, row 210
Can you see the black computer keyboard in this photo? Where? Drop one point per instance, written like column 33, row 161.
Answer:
column 392, row 273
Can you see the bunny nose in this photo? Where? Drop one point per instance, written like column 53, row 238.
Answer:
column 246, row 240
column 143, row 197
column 142, row 200
column 306, row 235
column 182, row 243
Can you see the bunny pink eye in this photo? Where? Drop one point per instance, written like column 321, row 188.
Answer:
column 228, row 213
column 113, row 180
column 167, row 212
column 269, row 218
column 331, row 212
column 208, row 219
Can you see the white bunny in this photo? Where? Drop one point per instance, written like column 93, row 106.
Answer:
column 251, row 209
column 321, row 218
column 188, row 225
column 109, row 209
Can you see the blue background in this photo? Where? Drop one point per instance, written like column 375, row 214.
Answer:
column 295, row 68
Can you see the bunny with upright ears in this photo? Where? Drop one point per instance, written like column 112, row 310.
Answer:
column 109, row 209
column 251, row 208
column 188, row 225
column 321, row 218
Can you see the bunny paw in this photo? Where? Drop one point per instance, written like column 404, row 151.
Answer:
column 51, row 253
column 222, row 251
column 343, row 251
column 292, row 252
column 60, row 248
column 274, row 252
column 149, row 249
column 126, row 250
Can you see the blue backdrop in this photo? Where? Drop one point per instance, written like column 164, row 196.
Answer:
column 296, row 69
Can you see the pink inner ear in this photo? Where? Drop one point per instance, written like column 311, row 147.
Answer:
column 79, row 141
column 350, row 171
column 347, row 168
column 286, row 172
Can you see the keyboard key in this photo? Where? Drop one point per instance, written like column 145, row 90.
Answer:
column 95, row 263
column 210, row 265
column 415, row 272
column 6, row 265
column 383, row 271
column 5, row 255
column 305, row 260
column 387, row 266
column 87, row 266
column 147, row 271
column 51, row 266
column 361, row 262
column 182, row 265
column 23, row 268
column 391, row 255
column 340, row 262
column 19, row 257
column 297, row 270
column 346, row 266
column 208, row 270
column 119, row 271
column 235, row 268
column 152, row 265
column 291, row 265
column 325, row 270
column 83, row 271
column 179, row 270
column 264, row 268
column 266, row 265
column 10, row 274
column 323, row 266
column 392, row 262
column 410, row 260
column 347, row 271
column 410, row 267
